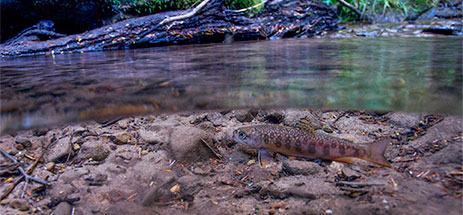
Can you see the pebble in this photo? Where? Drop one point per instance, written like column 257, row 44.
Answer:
column 297, row 167
column 59, row 150
column 19, row 204
column 19, row 147
column 4, row 201
column 78, row 131
column 151, row 137
column 25, row 142
column 349, row 173
column 50, row 165
column 251, row 162
column 244, row 116
column 123, row 123
column 40, row 132
column 121, row 138
column 63, row 208
column 95, row 150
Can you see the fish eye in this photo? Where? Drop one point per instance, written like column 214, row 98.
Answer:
column 242, row 135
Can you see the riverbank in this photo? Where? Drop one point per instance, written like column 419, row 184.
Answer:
column 211, row 22
column 187, row 163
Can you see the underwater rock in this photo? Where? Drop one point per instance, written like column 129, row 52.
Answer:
column 63, row 208
column 297, row 167
column 121, row 138
column 97, row 150
column 186, row 144
column 19, row 204
column 59, row 150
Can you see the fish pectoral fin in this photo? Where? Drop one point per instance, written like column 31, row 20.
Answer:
column 265, row 159
column 348, row 160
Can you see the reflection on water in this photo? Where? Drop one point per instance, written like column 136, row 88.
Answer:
column 399, row 74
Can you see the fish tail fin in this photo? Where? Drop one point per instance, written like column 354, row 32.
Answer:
column 376, row 151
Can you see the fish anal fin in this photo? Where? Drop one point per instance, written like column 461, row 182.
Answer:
column 265, row 159
column 348, row 160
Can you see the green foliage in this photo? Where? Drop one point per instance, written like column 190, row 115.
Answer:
column 145, row 7
column 373, row 7
column 240, row 4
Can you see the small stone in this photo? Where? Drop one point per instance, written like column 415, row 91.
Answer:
column 63, row 208
column 329, row 211
column 19, row 204
column 78, row 131
column 59, row 150
column 123, row 123
column 19, row 147
column 40, row 131
column 336, row 166
column 175, row 188
column 407, row 120
column 125, row 155
column 96, row 150
column 5, row 202
column 296, row 167
column 244, row 116
column 217, row 119
column 251, row 162
column 200, row 171
column 349, row 173
column 152, row 137
column 121, row 138
column 50, row 165
column 25, row 142
column 76, row 146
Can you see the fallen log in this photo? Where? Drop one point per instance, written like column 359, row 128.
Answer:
column 209, row 22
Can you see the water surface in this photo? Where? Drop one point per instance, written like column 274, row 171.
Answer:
column 386, row 74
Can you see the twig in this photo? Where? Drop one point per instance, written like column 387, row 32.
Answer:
column 248, row 8
column 4, row 153
column 25, row 175
column 108, row 123
column 30, row 178
column 176, row 18
column 353, row 9
column 212, row 149
column 358, row 184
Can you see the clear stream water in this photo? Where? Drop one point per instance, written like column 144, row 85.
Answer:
column 385, row 74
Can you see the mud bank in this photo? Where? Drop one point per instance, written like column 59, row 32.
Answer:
column 188, row 164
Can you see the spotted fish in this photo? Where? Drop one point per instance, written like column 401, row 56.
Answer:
column 296, row 142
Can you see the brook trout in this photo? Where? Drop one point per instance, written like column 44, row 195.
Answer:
column 300, row 143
